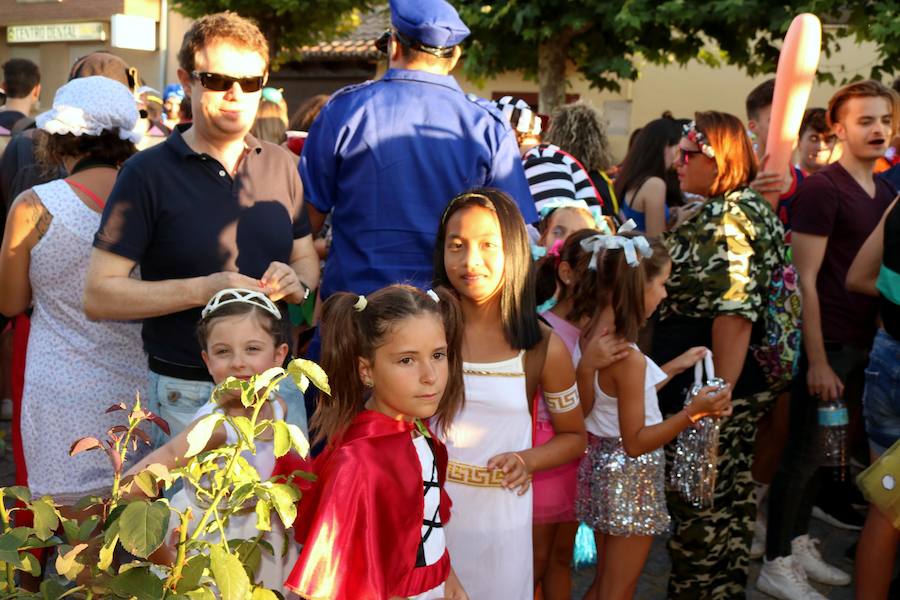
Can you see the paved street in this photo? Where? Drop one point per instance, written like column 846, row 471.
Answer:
column 652, row 585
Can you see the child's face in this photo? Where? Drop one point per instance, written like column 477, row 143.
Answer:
column 473, row 253
column 814, row 149
column 410, row 369
column 563, row 222
column 655, row 290
column 240, row 346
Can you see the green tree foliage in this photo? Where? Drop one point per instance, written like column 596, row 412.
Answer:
column 287, row 24
column 603, row 37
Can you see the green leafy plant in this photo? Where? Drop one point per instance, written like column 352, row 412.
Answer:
column 109, row 551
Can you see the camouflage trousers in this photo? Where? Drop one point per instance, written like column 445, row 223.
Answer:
column 710, row 548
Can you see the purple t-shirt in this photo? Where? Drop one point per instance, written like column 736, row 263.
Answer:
column 831, row 203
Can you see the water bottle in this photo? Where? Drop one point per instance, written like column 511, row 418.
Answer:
column 833, row 423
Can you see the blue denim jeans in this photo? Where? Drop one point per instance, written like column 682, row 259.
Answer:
column 881, row 399
column 177, row 401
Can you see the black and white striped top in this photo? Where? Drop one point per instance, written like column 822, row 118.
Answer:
column 554, row 174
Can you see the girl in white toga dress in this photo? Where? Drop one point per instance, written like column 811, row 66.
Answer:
column 482, row 252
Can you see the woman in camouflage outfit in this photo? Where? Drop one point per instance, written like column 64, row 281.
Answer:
column 722, row 261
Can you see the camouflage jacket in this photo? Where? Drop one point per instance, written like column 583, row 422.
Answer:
column 722, row 258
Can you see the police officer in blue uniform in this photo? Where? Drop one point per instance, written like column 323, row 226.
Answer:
column 387, row 156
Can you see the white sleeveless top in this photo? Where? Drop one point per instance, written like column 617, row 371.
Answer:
column 603, row 420
column 264, row 459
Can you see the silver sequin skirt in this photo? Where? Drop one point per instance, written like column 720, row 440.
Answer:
column 619, row 495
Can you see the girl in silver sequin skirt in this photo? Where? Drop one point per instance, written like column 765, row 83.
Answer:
column 621, row 480
column 620, row 495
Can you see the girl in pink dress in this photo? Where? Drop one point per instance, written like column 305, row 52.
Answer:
column 554, row 522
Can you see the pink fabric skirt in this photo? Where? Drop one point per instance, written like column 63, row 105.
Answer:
column 555, row 489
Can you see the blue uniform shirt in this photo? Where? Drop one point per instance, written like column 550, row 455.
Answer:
column 387, row 156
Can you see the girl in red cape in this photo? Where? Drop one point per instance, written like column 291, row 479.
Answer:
column 372, row 524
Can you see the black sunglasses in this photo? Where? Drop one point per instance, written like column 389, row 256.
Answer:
column 217, row 82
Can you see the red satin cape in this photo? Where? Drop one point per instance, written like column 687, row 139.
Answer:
column 360, row 524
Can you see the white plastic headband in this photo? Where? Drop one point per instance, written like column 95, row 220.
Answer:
column 631, row 246
column 232, row 295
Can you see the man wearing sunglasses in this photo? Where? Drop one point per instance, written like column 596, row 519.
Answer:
column 208, row 209
column 388, row 155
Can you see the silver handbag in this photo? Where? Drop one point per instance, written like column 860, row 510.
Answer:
column 694, row 469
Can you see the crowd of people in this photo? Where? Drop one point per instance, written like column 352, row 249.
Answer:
column 511, row 324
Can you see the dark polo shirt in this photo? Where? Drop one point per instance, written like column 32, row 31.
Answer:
column 179, row 214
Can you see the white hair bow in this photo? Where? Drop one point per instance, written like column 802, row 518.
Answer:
column 632, row 247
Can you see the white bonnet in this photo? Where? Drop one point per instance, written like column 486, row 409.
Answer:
column 90, row 105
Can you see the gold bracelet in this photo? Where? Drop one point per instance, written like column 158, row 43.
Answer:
column 521, row 460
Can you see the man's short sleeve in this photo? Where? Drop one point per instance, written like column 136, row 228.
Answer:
column 815, row 207
column 508, row 175
column 128, row 218
column 299, row 218
column 317, row 164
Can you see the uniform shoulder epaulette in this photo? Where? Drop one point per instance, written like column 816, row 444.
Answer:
column 489, row 106
column 353, row 87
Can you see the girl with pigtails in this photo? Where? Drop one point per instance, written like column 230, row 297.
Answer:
column 372, row 524
column 483, row 253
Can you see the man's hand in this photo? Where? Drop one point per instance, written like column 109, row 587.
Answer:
column 215, row 283
column 823, row 382
column 770, row 182
column 280, row 281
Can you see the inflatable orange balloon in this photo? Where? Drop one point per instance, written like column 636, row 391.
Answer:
column 797, row 66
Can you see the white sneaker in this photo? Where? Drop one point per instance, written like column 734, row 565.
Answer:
column 758, row 548
column 785, row 579
column 805, row 551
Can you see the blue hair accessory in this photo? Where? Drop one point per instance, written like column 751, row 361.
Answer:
column 632, row 247
column 548, row 206
column 173, row 89
column 546, row 305
column 538, row 252
column 272, row 95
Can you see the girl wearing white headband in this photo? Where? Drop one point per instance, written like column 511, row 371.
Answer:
column 620, row 481
column 242, row 334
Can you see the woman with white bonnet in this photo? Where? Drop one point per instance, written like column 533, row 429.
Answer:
column 75, row 368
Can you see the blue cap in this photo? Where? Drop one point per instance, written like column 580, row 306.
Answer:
column 173, row 89
column 430, row 22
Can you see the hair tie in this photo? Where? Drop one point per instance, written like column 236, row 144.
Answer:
column 243, row 295
column 361, row 304
column 538, row 252
column 556, row 248
column 632, row 247
column 433, row 295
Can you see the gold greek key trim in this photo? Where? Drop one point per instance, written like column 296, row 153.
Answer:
column 564, row 401
column 473, row 475
column 492, row 373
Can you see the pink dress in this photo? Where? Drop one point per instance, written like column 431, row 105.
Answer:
column 554, row 489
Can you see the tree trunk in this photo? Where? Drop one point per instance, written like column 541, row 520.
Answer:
column 552, row 73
